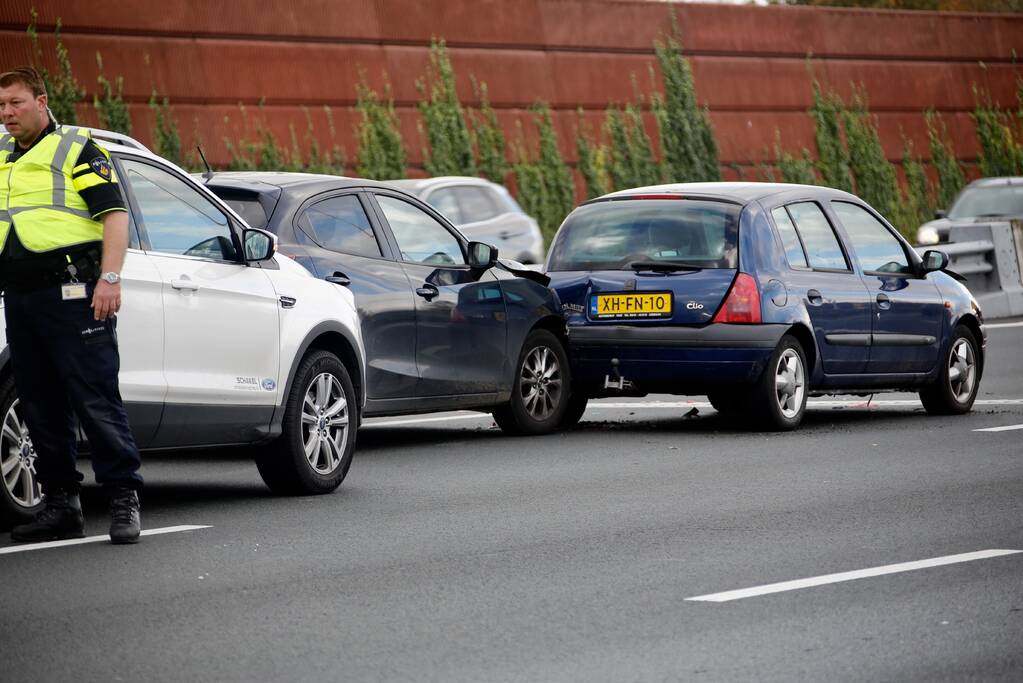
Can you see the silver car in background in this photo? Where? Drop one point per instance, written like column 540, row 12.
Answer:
column 483, row 211
column 979, row 202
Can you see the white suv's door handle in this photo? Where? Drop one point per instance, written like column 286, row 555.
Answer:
column 185, row 284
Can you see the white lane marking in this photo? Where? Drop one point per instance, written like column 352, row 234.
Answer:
column 1006, row 428
column 1001, row 325
column 96, row 539
column 812, row 403
column 850, row 576
column 420, row 420
column 661, row 405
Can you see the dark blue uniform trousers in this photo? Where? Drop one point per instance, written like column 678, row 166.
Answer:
column 66, row 363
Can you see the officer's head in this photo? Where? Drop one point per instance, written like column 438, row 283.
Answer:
column 23, row 104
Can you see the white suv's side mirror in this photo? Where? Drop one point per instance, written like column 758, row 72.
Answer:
column 260, row 245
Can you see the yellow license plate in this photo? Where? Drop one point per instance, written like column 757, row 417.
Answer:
column 638, row 305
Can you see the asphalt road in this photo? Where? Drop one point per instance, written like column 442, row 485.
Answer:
column 452, row 553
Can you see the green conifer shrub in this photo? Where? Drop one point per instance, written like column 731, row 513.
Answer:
column 529, row 184
column 687, row 138
column 449, row 145
column 110, row 104
column 951, row 177
column 330, row 161
column 488, row 138
column 590, row 165
column 381, row 152
column 793, row 169
column 556, row 176
column 1001, row 152
column 832, row 157
column 918, row 195
column 166, row 138
column 876, row 181
column 62, row 89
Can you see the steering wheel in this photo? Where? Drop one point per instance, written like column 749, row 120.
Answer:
column 634, row 257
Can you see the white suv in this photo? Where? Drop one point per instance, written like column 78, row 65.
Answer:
column 222, row 341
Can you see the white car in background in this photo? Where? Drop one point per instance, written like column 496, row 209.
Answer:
column 484, row 212
column 222, row 341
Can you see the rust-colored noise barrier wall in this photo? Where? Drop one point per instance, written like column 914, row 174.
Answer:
column 750, row 64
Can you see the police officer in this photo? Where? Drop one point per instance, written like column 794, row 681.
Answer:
column 64, row 233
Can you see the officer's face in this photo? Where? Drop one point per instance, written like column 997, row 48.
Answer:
column 23, row 114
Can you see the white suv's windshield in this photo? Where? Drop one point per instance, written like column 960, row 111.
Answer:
column 993, row 200
column 612, row 235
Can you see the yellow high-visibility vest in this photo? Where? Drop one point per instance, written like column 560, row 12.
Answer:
column 38, row 196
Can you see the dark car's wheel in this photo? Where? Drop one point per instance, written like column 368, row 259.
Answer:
column 318, row 433
column 955, row 389
column 574, row 410
column 725, row 402
column 778, row 399
column 20, row 496
column 540, row 395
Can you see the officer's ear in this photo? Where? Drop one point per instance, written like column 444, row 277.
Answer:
column 43, row 100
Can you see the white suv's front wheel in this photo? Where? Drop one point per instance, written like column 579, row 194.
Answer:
column 318, row 431
column 20, row 496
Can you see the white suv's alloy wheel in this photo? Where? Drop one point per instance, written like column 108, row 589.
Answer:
column 325, row 423
column 18, row 460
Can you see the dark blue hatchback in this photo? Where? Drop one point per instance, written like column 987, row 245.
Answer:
column 758, row 295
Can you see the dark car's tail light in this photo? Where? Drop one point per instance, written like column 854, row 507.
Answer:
column 742, row 305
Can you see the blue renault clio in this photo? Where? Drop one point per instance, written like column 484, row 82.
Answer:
column 758, row 295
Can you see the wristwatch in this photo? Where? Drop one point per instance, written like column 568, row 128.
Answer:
column 111, row 277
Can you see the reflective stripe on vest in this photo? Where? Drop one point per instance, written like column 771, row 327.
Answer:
column 6, row 147
column 38, row 197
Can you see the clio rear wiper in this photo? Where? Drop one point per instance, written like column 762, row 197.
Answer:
column 663, row 266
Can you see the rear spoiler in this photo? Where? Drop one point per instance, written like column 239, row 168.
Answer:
column 523, row 271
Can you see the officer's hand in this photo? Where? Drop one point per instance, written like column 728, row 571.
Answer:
column 106, row 300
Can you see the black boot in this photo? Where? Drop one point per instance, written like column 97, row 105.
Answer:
column 125, row 523
column 60, row 518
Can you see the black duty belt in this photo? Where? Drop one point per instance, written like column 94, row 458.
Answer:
column 42, row 281
column 86, row 268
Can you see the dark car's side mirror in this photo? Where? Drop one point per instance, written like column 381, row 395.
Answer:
column 260, row 245
column 482, row 255
column 940, row 213
column 935, row 260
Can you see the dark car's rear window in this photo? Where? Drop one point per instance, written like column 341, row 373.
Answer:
column 611, row 235
column 244, row 203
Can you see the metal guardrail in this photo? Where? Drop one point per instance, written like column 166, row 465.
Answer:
column 990, row 257
column 971, row 258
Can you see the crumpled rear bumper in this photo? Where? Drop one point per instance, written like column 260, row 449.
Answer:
column 673, row 359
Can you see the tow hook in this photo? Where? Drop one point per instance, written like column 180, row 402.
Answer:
column 615, row 380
